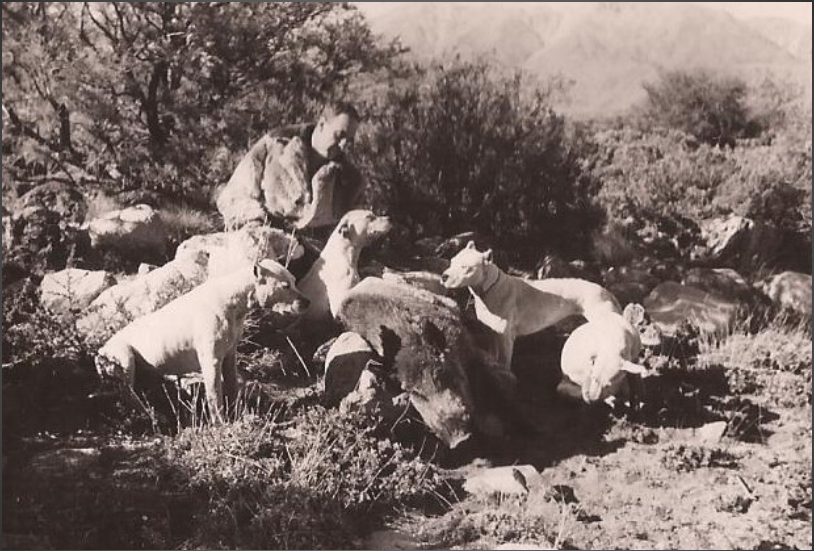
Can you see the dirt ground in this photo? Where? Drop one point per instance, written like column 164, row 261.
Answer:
column 713, row 454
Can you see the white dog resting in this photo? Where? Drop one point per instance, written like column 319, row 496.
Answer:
column 199, row 331
column 598, row 355
column 513, row 306
column 336, row 271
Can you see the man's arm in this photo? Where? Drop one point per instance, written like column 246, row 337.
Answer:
column 241, row 200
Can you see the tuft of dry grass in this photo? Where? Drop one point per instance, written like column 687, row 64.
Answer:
column 777, row 345
column 184, row 222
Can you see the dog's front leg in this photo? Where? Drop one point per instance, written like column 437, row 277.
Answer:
column 213, row 382
column 505, row 351
column 230, row 382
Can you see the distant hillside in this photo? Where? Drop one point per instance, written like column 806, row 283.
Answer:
column 795, row 37
column 607, row 49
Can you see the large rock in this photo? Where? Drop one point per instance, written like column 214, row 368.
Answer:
column 789, row 290
column 741, row 244
column 136, row 230
column 428, row 281
column 724, row 282
column 629, row 284
column 347, row 357
column 73, row 289
column 671, row 304
column 230, row 251
column 722, row 237
column 420, row 336
column 126, row 301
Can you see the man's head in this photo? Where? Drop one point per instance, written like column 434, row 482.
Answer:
column 335, row 130
column 467, row 268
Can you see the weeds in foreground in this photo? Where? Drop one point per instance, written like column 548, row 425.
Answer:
column 315, row 480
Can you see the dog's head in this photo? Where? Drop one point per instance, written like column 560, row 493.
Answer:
column 467, row 268
column 275, row 289
column 361, row 227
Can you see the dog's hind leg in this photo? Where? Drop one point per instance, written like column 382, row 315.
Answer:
column 213, row 381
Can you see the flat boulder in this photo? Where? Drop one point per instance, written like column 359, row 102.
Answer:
column 421, row 338
column 671, row 304
column 789, row 290
column 73, row 289
column 510, row 480
column 136, row 230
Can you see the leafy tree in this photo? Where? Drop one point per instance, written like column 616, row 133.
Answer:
column 165, row 95
column 710, row 108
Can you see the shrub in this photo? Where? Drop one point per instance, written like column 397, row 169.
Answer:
column 708, row 107
column 464, row 148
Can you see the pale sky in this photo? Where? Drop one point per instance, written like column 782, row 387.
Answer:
column 798, row 11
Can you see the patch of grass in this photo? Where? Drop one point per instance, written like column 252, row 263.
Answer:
column 484, row 522
column 776, row 346
column 184, row 222
column 316, row 480
column 689, row 457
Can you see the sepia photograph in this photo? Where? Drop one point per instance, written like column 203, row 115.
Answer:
column 407, row 275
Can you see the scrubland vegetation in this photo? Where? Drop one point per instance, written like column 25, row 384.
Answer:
column 156, row 102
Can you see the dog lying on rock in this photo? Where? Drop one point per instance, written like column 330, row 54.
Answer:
column 199, row 331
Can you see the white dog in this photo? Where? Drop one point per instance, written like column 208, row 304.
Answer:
column 598, row 355
column 513, row 306
column 336, row 271
column 199, row 331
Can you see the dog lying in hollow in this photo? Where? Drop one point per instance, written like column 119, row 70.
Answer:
column 199, row 331
column 336, row 271
column 513, row 307
column 599, row 354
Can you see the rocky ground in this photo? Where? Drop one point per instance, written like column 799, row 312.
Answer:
column 716, row 456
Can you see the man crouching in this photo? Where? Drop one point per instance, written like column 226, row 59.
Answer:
column 199, row 331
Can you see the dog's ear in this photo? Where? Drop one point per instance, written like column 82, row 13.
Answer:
column 488, row 255
column 344, row 229
column 470, row 245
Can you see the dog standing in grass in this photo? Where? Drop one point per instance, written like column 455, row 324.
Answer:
column 199, row 331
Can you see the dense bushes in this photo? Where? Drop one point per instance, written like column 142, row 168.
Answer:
column 165, row 95
column 709, row 107
column 464, row 148
column 668, row 174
